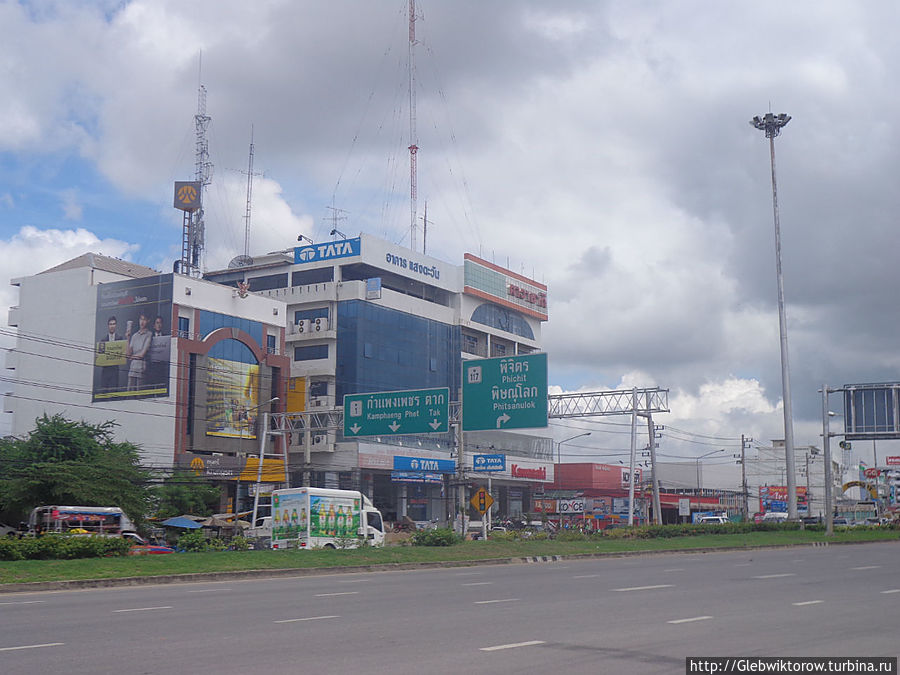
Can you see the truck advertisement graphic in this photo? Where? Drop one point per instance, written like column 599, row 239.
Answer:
column 318, row 517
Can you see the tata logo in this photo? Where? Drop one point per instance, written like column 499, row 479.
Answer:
column 334, row 249
column 428, row 465
column 480, row 460
column 414, row 464
column 306, row 254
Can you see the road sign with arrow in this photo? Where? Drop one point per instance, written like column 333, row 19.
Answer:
column 505, row 393
column 397, row 413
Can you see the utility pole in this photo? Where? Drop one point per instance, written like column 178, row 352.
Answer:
column 745, row 499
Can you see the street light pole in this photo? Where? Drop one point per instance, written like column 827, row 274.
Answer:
column 263, row 436
column 772, row 124
column 557, row 478
column 699, row 473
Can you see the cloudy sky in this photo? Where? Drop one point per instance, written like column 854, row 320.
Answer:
column 602, row 148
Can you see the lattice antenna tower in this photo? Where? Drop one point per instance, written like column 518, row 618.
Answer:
column 249, row 198
column 203, row 169
column 413, row 139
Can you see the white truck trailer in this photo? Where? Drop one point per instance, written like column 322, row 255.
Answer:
column 308, row 517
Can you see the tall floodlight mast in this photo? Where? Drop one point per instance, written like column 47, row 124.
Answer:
column 772, row 125
column 249, row 198
column 413, row 140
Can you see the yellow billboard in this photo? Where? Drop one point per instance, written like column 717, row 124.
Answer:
column 232, row 398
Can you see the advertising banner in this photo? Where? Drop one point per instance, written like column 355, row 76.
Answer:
column 232, row 398
column 774, row 498
column 133, row 335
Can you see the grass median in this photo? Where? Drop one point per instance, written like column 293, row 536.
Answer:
column 231, row 561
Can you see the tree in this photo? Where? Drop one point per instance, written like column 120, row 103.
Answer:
column 66, row 462
column 183, row 492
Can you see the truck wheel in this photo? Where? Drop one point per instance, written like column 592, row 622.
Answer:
column 331, row 546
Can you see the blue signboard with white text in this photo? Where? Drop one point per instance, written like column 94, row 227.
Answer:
column 328, row 251
column 489, row 462
column 424, row 464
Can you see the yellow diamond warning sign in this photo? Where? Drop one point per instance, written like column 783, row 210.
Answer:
column 481, row 501
column 187, row 195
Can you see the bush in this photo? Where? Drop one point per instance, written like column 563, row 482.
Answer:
column 62, row 547
column 240, row 543
column 192, row 542
column 441, row 536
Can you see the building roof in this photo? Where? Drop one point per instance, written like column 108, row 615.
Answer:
column 107, row 264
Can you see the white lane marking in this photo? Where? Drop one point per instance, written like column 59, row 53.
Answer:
column 491, row 602
column 743, row 564
column 675, row 569
column 893, row 590
column 210, row 590
column 469, row 574
column 478, row 583
column 867, row 567
column 513, row 645
column 774, row 576
column 694, row 618
column 308, row 618
column 585, row 576
column 142, row 609
column 23, row 602
column 329, row 595
column 46, row 644
column 642, row 588
column 808, row 602
column 352, row 581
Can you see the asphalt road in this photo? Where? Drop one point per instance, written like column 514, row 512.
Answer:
column 621, row 615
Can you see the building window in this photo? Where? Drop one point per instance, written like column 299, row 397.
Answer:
column 504, row 319
column 368, row 350
column 498, row 349
column 270, row 344
column 311, row 314
column 470, row 344
column 184, row 327
column 310, row 353
column 269, row 282
column 307, row 277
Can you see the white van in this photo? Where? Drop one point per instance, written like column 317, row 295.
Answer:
column 775, row 517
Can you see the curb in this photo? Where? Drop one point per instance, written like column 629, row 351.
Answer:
column 78, row 584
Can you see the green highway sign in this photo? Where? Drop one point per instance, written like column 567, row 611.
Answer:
column 505, row 393
column 397, row 413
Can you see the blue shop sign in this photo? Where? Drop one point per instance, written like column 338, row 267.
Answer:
column 489, row 462
column 424, row 464
column 414, row 477
column 333, row 249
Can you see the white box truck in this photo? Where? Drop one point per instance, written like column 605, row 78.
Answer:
column 308, row 517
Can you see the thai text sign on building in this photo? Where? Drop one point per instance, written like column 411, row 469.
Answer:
column 505, row 393
column 395, row 413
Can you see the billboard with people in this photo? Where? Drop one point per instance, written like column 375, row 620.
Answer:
column 232, row 398
column 132, row 343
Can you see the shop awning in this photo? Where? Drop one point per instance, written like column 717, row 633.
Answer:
column 272, row 472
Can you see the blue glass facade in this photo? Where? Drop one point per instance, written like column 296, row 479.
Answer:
column 380, row 349
column 210, row 321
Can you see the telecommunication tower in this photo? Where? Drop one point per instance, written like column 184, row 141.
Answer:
column 193, row 239
column 413, row 140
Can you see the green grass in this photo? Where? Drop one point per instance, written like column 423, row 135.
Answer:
column 227, row 561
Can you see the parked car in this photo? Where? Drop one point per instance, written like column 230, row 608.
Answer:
column 712, row 520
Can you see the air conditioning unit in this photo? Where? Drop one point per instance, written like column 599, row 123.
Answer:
column 318, row 402
column 303, row 326
column 319, row 439
column 319, row 325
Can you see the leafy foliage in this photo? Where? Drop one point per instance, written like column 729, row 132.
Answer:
column 183, row 492
column 61, row 547
column 66, row 462
column 441, row 536
column 196, row 542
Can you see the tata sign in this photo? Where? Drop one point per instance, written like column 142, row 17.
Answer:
column 319, row 252
column 489, row 462
column 424, row 464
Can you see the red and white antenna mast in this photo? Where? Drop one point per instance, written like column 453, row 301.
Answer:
column 413, row 140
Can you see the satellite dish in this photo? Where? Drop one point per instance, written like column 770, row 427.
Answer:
column 240, row 261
